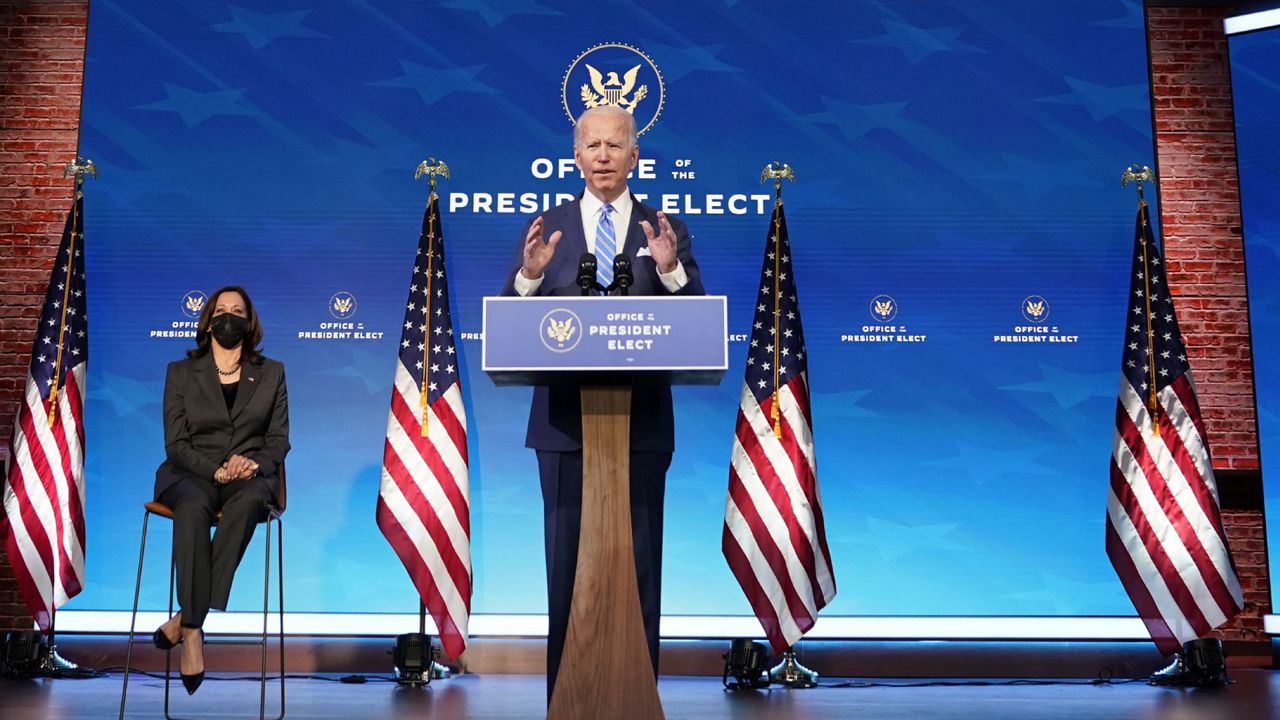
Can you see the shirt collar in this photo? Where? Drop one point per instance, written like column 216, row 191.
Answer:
column 591, row 205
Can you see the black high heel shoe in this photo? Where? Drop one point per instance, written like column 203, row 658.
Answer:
column 192, row 682
column 162, row 641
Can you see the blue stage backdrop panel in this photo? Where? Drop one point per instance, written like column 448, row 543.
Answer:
column 957, row 161
column 1254, row 59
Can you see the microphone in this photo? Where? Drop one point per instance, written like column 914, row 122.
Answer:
column 623, row 278
column 587, row 273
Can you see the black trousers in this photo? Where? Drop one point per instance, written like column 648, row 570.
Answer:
column 561, row 475
column 206, row 567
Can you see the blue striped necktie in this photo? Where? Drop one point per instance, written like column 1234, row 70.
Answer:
column 606, row 245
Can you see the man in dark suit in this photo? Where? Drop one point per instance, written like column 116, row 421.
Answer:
column 605, row 220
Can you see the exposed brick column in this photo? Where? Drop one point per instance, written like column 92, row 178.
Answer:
column 41, row 65
column 1200, row 218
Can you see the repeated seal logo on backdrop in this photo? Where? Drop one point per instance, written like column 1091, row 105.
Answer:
column 191, row 305
column 1035, row 310
column 883, row 310
column 341, row 307
column 614, row 74
column 561, row 330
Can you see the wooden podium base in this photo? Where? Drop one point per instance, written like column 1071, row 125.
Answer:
column 605, row 670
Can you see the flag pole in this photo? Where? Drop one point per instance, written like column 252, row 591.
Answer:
column 51, row 663
column 789, row 672
column 432, row 168
column 1139, row 174
column 777, row 172
column 78, row 167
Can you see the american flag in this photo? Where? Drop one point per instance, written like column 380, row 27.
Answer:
column 44, row 480
column 424, row 503
column 774, row 539
column 1164, row 530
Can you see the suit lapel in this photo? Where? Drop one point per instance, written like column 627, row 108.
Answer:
column 249, row 381
column 635, row 234
column 571, row 225
column 206, row 377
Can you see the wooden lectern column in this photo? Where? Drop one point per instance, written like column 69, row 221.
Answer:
column 605, row 670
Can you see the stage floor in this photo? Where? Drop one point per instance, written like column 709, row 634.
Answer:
column 1255, row 694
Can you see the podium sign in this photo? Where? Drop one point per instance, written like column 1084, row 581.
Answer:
column 601, row 343
column 682, row 335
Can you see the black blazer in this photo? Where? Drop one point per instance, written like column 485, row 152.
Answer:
column 200, row 433
column 555, row 416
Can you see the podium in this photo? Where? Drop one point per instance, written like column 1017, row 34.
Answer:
column 603, row 343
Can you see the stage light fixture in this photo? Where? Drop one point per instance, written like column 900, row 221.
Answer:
column 747, row 662
column 412, row 658
column 22, row 650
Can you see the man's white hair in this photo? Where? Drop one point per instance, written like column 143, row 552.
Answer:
column 605, row 111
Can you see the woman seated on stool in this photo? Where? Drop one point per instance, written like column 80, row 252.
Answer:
column 226, row 432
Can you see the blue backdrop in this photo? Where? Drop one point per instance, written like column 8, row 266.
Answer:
column 957, row 158
column 1254, row 58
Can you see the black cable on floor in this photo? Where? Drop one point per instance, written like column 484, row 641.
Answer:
column 345, row 679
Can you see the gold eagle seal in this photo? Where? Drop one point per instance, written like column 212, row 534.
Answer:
column 614, row 74
column 561, row 330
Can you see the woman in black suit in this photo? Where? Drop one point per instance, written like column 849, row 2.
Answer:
column 226, row 432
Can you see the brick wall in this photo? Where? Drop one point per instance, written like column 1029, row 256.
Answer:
column 41, row 63
column 1200, row 217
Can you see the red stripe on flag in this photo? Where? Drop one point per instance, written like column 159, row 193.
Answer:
column 27, row 586
column 1182, row 526
column 1182, row 387
column 444, row 413
column 426, row 513
column 76, row 402
column 69, row 491
column 767, row 548
column 451, row 636
column 1138, row 593
column 1186, row 463
column 59, row 492
column 781, row 499
column 23, row 486
column 1174, row 583
column 411, row 423
column 756, row 596
column 808, row 482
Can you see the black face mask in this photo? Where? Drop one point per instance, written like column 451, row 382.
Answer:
column 229, row 330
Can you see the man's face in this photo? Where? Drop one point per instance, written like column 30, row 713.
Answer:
column 605, row 155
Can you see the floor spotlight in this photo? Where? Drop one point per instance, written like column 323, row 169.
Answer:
column 22, row 653
column 747, row 663
column 412, row 658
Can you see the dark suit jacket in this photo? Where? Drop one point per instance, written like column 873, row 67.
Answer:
column 200, row 433
column 555, row 416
